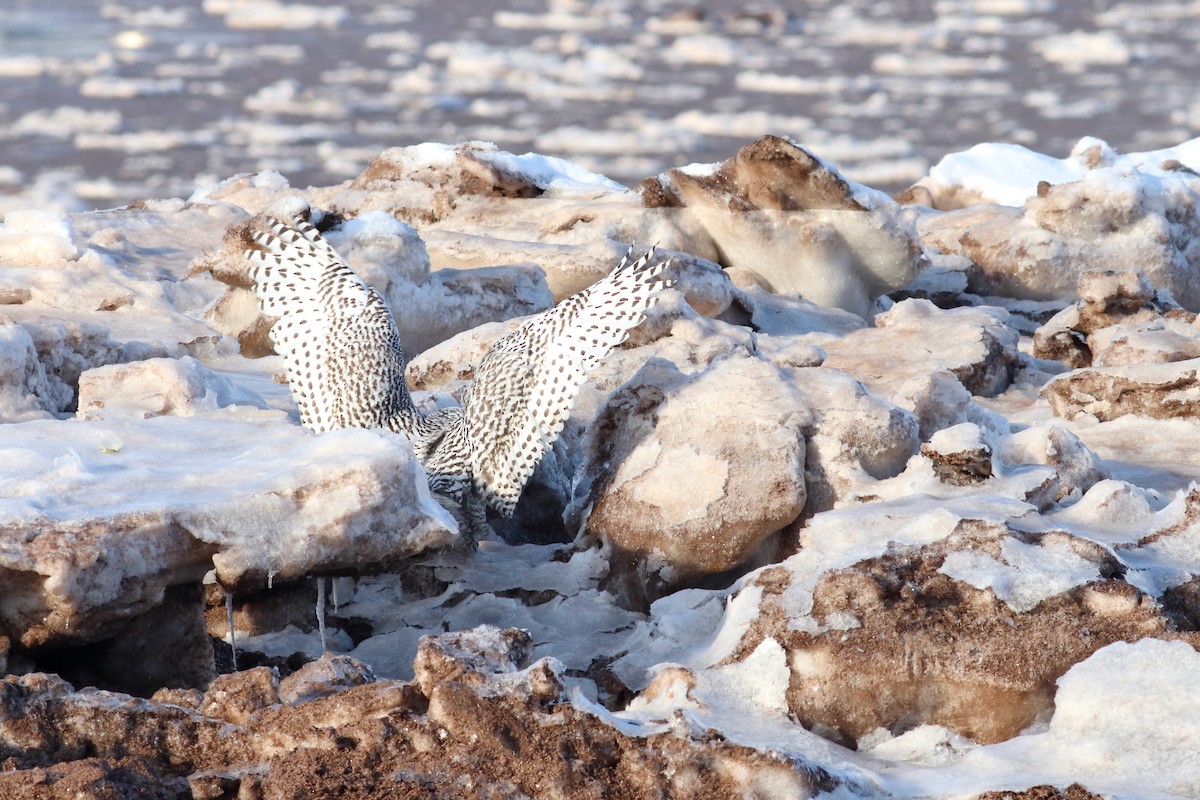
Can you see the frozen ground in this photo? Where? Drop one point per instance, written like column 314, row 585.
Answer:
column 940, row 541
column 938, row 538
column 102, row 104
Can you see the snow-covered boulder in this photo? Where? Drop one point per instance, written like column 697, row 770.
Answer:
column 961, row 454
column 897, row 614
column 96, row 525
column 696, row 449
column 1106, row 218
column 478, row 206
column 1119, row 319
column 857, row 438
column 698, row 470
column 779, row 211
column 915, row 339
column 1162, row 391
column 38, row 239
column 142, row 389
column 26, row 390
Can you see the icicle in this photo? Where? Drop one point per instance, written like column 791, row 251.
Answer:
column 321, row 611
column 271, row 579
column 229, row 619
column 335, row 582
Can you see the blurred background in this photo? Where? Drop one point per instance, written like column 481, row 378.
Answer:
column 105, row 103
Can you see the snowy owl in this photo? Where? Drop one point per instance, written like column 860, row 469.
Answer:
column 345, row 365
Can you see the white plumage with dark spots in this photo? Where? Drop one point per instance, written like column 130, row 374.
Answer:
column 346, row 365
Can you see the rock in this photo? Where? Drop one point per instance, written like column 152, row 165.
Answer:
column 791, row 315
column 26, row 391
column 1113, row 294
column 961, row 454
column 454, row 301
column 41, row 361
column 166, row 648
column 143, row 389
column 1029, row 622
column 477, row 206
column 916, row 338
column 1075, row 791
column 453, row 361
column 1119, row 319
column 14, row 295
column 945, row 282
column 1060, row 339
column 236, row 314
column 474, row 657
column 1160, row 391
column 1078, row 468
column 369, row 740
column 856, row 440
column 698, row 470
column 470, row 169
column 152, row 503
column 37, row 238
column 1163, row 340
column 238, row 696
column 1106, row 219
column 327, row 675
column 568, row 267
column 804, row 438
column 99, row 778
column 777, row 210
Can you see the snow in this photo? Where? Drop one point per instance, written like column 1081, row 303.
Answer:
column 1003, row 173
column 961, row 438
column 555, row 175
column 844, row 537
column 1125, row 722
column 1008, row 173
column 759, row 682
column 1025, row 574
column 37, row 239
column 234, row 477
column 1129, row 712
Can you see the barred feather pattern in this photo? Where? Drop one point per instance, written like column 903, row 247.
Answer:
column 343, row 353
column 346, row 364
column 527, row 382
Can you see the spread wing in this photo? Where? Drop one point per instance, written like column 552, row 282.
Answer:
column 526, row 384
column 343, row 353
